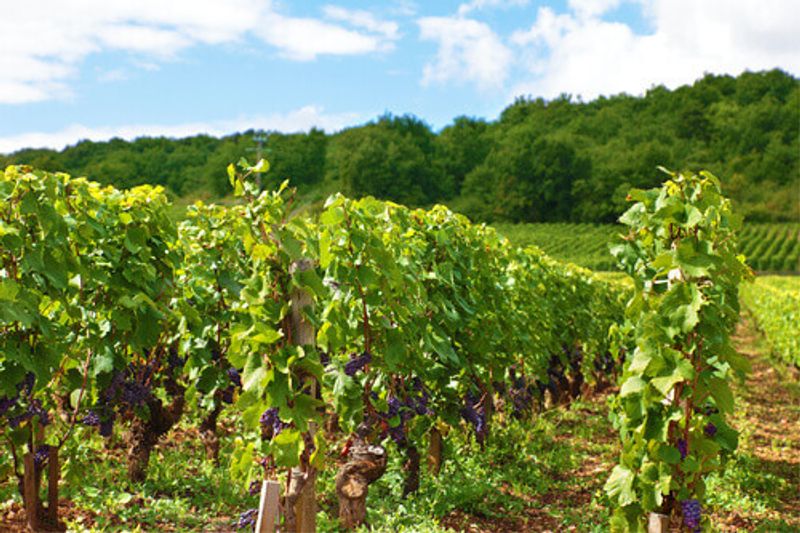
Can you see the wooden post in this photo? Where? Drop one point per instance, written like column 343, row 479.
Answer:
column 53, row 473
column 31, row 492
column 268, row 507
column 305, row 507
column 657, row 523
column 435, row 451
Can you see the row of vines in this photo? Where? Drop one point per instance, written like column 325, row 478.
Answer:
column 367, row 328
column 775, row 306
column 768, row 247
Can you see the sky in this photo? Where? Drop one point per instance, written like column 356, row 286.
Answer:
column 97, row 69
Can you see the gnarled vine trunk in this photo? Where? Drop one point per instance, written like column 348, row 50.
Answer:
column 365, row 465
column 208, row 434
column 435, row 451
column 411, row 468
column 145, row 434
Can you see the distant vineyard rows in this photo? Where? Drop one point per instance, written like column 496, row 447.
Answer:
column 768, row 247
column 775, row 305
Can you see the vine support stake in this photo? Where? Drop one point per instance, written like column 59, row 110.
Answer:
column 31, row 493
column 53, row 473
column 268, row 506
column 305, row 507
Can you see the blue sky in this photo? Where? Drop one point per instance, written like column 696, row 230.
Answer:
column 75, row 69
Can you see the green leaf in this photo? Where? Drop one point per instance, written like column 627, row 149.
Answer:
column 620, row 485
column 632, row 385
column 286, row 447
column 669, row 454
column 721, row 391
column 8, row 290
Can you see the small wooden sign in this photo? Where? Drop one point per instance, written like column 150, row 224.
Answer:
column 657, row 523
column 268, row 507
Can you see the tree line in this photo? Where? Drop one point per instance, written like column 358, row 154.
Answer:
column 541, row 160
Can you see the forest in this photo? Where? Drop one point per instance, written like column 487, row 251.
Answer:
column 539, row 161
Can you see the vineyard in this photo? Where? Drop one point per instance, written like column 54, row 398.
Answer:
column 775, row 305
column 367, row 350
column 768, row 247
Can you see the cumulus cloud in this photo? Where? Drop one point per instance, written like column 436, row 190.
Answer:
column 469, row 50
column 44, row 41
column 301, row 119
column 582, row 53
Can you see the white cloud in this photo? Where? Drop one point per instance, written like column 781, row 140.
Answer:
column 303, row 39
column 301, row 119
column 582, row 54
column 592, row 8
column 475, row 5
column 113, row 75
column 364, row 20
column 43, row 42
column 468, row 51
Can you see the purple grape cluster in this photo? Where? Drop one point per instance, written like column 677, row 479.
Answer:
column 174, row 361
column 26, row 387
column 247, row 519
column 324, row 358
column 226, row 395
column 356, row 363
column 91, row 419
column 107, row 428
column 254, row 488
column 683, row 448
column 41, row 456
column 710, row 430
column 6, row 404
column 34, row 409
column 125, row 391
column 234, row 376
column 134, row 393
column 415, row 404
column 521, row 394
column 691, row 514
column 271, row 423
column 476, row 417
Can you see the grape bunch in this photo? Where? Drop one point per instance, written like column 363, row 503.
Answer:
column 683, row 448
column 6, row 404
column 91, row 419
column 476, row 417
column 356, row 363
column 691, row 514
column 324, row 358
column 41, row 456
column 254, row 488
column 234, row 376
column 247, row 519
column 33, row 409
column 226, row 394
column 395, row 408
column 520, row 393
column 415, row 404
column 710, row 429
column 127, row 390
column 174, row 361
column 271, row 424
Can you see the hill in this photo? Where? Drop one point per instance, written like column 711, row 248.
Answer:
column 540, row 161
